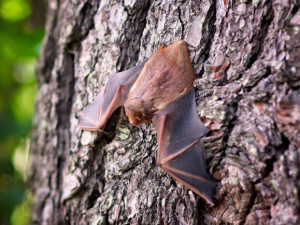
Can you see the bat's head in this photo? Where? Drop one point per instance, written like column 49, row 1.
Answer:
column 136, row 111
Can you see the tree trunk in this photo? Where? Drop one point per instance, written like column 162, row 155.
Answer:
column 247, row 57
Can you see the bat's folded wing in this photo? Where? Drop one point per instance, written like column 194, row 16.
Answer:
column 88, row 118
column 95, row 115
column 180, row 150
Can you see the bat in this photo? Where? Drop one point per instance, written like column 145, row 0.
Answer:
column 160, row 91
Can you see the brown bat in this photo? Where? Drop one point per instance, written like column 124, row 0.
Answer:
column 160, row 91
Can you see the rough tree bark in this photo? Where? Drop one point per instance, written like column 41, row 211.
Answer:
column 247, row 56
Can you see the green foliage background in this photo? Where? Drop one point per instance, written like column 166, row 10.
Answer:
column 19, row 48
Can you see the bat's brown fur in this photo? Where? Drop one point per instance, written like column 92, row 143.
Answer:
column 167, row 76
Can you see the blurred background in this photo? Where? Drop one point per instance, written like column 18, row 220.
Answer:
column 21, row 33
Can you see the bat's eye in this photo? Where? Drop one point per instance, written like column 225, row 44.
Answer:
column 137, row 120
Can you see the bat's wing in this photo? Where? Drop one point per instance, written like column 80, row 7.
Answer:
column 95, row 115
column 180, row 151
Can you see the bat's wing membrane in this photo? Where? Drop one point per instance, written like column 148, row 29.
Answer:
column 95, row 115
column 88, row 118
column 180, row 151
